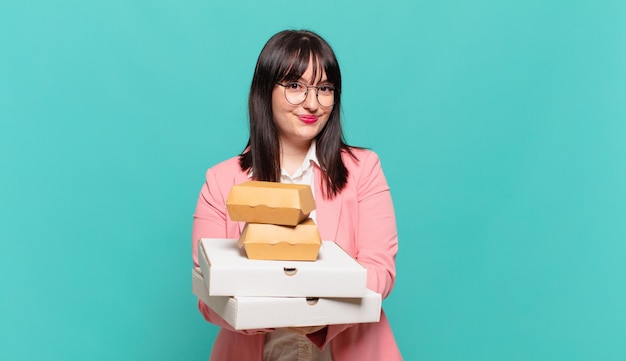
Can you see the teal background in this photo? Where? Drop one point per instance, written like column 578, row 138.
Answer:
column 501, row 126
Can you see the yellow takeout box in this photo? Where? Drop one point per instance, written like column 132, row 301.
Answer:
column 276, row 242
column 270, row 203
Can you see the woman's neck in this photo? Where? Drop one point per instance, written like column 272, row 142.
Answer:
column 292, row 156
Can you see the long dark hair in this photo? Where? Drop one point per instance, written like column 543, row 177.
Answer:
column 286, row 56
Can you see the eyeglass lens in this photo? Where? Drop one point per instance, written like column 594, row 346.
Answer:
column 296, row 93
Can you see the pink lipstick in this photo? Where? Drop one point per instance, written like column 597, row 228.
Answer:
column 308, row 119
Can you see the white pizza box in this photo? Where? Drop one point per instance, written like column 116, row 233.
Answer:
column 244, row 313
column 229, row 272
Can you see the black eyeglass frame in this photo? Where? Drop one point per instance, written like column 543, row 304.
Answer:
column 306, row 93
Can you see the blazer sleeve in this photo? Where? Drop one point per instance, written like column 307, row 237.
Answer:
column 376, row 234
column 210, row 220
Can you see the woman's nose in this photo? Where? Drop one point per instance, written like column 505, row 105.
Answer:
column 310, row 102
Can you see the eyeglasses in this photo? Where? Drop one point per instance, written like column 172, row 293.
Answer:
column 296, row 93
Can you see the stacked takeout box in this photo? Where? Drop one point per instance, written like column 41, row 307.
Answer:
column 279, row 273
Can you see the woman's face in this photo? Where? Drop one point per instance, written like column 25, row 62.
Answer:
column 299, row 124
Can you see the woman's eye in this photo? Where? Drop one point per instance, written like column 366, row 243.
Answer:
column 326, row 89
column 294, row 86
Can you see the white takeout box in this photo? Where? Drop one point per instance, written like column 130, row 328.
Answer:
column 228, row 272
column 244, row 313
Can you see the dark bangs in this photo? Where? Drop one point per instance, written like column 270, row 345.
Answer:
column 298, row 51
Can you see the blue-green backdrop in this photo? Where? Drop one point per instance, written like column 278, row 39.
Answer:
column 501, row 126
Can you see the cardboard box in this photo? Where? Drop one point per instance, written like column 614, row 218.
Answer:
column 228, row 272
column 286, row 243
column 270, row 202
column 272, row 312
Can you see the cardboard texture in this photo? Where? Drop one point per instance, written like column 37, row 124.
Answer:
column 272, row 312
column 274, row 242
column 270, row 202
column 228, row 272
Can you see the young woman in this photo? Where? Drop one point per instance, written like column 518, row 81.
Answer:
column 296, row 137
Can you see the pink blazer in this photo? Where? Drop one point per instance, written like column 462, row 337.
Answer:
column 361, row 219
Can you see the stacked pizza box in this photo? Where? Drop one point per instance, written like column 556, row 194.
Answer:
column 279, row 273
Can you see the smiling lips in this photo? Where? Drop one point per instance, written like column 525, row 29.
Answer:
column 308, row 119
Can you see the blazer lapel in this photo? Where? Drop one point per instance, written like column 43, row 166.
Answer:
column 327, row 210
